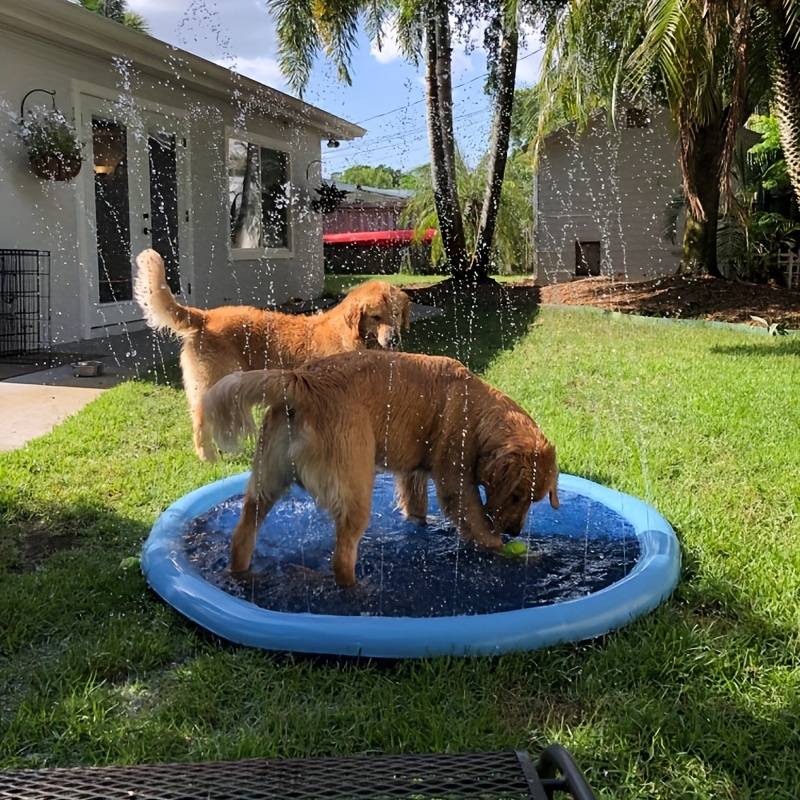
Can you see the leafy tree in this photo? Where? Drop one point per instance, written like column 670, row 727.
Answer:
column 767, row 155
column 380, row 177
column 511, row 246
column 416, row 178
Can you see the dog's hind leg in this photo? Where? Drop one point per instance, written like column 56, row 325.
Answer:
column 350, row 527
column 411, row 489
column 243, row 541
column 347, row 494
column 271, row 477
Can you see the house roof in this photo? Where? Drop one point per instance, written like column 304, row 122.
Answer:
column 370, row 196
column 73, row 27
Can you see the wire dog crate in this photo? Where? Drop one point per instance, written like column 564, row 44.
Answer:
column 478, row 776
column 24, row 302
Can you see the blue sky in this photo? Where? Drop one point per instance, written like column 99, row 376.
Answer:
column 241, row 34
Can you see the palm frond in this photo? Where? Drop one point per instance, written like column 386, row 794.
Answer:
column 136, row 22
column 298, row 39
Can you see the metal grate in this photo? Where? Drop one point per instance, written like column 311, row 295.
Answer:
column 24, row 301
column 479, row 776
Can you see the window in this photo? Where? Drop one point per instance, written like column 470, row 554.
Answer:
column 637, row 118
column 587, row 258
column 258, row 196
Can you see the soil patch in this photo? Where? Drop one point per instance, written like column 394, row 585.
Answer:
column 683, row 298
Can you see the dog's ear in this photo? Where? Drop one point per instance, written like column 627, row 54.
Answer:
column 353, row 316
column 498, row 466
column 548, row 462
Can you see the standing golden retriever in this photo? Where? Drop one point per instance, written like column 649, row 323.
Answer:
column 331, row 422
column 218, row 341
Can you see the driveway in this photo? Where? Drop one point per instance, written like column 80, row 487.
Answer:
column 28, row 410
column 33, row 403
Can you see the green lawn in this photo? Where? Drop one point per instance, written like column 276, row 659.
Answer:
column 700, row 699
column 338, row 283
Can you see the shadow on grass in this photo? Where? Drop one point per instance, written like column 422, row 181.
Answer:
column 783, row 347
column 475, row 326
column 680, row 714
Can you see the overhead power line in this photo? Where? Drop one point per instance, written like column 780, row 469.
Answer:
column 368, row 144
column 457, row 86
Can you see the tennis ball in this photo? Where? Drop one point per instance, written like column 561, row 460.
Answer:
column 514, row 549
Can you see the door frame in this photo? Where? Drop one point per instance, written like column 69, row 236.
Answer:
column 85, row 97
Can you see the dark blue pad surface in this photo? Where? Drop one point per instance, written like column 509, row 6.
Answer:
column 414, row 571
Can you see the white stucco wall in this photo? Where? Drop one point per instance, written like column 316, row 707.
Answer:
column 51, row 216
column 611, row 186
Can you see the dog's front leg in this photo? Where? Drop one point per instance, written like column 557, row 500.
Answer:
column 461, row 502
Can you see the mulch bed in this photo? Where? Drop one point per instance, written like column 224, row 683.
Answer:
column 684, row 298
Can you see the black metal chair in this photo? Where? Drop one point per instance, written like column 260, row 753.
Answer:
column 478, row 776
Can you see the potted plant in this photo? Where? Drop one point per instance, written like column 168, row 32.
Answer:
column 330, row 198
column 53, row 147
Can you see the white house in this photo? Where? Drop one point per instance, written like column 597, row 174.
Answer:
column 168, row 139
column 601, row 196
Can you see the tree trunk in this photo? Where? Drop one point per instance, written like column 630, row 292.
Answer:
column 701, row 153
column 498, row 147
column 786, row 92
column 442, row 140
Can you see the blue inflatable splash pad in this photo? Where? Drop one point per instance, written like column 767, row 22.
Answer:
column 593, row 565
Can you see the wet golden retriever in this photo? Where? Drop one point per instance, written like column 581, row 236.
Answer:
column 331, row 422
column 218, row 341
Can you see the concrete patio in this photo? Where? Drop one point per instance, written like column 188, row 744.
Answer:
column 33, row 403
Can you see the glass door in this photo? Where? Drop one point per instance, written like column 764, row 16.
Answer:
column 167, row 190
column 135, row 200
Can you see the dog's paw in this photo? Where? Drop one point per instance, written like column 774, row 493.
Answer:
column 207, row 453
column 417, row 520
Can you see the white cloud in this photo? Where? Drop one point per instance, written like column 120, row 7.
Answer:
column 390, row 45
column 531, row 57
column 461, row 61
column 261, row 68
column 214, row 29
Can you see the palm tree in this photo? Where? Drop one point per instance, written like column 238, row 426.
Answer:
column 118, row 11
column 514, row 219
column 710, row 63
column 425, row 30
column 784, row 16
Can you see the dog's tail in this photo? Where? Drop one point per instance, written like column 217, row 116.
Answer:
column 152, row 293
column 228, row 404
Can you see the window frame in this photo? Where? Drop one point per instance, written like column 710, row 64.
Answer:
column 259, row 253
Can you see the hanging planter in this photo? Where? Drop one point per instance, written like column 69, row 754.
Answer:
column 54, row 150
column 330, row 198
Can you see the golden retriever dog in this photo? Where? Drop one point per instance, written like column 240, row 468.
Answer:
column 332, row 422
column 218, row 341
